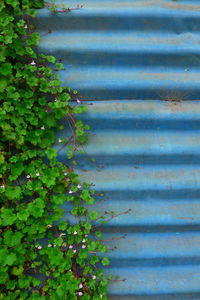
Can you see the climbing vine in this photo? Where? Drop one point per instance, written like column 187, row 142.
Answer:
column 43, row 255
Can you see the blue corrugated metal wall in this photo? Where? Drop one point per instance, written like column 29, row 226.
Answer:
column 147, row 152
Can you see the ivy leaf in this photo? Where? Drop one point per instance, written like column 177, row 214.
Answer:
column 12, row 239
column 94, row 260
column 70, row 152
column 63, row 225
column 13, row 192
column 6, row 69
column 10, row 259
column 93, row 215
column 51, row 153
column 85, row 195
column 17, row 169
column 105, row 261
column 7, row 217
column 23, row 215
column 17, row 271
column 79, row 110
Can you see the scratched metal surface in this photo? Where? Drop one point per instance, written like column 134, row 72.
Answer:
column 147, row 152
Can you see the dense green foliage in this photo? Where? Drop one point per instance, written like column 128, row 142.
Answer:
column 41, row 257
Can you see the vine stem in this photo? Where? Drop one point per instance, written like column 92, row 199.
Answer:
column 49, row 5
column 113, row 217
column 114, row 239
column 117, row 280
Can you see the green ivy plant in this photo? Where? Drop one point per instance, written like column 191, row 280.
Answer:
column 42, row 255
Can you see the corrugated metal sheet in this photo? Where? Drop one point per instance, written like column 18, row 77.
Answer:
column 147, row 152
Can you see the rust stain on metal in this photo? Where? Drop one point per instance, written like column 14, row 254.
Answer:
column 175, row 106
column 180, row 6
column 186, row 218
column 165, row 5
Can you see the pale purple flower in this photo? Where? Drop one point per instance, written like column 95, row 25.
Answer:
column 49, row 245
column 43, row 128
column 67, row 179
column 83, row 241
column 70, row 246
column 93, row 277
column 86, row 235
column 25, row 26
column 75, row 232
column 78, row 186
column 70, row 192
column 59, row 141
column 33, row 63
column 83, row 246
column 80, row 286
column 80, row 294
column 56, row 100
column 65, row 173
column 28, row 176
column 78, row 101
column 39, row 247
column 38, row 174
column 74, row 251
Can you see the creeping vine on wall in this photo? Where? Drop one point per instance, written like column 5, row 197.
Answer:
column 42, row 256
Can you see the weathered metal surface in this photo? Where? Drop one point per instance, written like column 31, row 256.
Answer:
column 147, row 152
column 147, row 160
column 127, row 49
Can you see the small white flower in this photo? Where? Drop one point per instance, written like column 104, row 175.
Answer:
column 43, row 128
column 49, row 245
column 38, row 174
column 80, row 294
column 70, row 192
column 54, row 245
column 33, row 63
column 65, row 173
column 101, row 296
column 39, row 247
column 59, row 141
column 67, row 179
column 25, row 26
column 86, row 235
column 83, row 241
column 75, row 232
column 3, row 186
column 83, row 246
column 80, row 286
column 70, row 246
column 93, row 277
column 56, row 100
column 78, row 186
column 28, row 176
column 74, row 251
column 78, row 101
